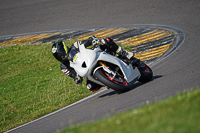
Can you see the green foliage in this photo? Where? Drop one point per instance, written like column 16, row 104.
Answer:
column 179, row 114
column 32, row 85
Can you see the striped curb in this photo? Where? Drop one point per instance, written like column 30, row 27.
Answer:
column 147, row 42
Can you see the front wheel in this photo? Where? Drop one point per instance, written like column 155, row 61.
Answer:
column 117, row 83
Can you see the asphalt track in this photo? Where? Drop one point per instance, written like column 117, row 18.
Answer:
column 178, row 72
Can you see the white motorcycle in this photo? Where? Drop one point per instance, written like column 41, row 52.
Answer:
column 107, row 70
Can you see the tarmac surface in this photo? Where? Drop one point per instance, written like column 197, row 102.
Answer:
column 174, row 74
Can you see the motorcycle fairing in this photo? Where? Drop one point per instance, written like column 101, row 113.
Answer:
column 90, row 58
column 129, row 73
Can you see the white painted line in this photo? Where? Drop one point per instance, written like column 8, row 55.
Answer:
column 86, row 98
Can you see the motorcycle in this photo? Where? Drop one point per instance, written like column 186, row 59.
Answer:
column 107, row 70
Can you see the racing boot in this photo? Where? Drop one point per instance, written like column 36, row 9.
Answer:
column 124, row 53
column 92, row 86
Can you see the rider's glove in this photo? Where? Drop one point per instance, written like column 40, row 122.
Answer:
column 78, row 80
column 94, row 40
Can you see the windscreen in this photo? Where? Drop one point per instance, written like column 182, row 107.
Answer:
column 73, row 52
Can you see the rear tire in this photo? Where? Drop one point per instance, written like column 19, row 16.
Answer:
column 146, row 74
column 118, row 84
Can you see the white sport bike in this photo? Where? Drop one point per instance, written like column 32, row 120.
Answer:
column 107, row 70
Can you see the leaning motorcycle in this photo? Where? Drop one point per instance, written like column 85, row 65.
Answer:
column 107, row 70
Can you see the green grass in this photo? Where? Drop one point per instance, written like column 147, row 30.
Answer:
column 179, row 114
column 32, row 85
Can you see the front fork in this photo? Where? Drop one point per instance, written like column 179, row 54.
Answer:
column 106, row 68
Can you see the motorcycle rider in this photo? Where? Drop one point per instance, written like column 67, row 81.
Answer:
column 60, row 51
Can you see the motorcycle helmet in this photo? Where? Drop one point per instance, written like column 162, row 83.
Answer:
column 60, row 50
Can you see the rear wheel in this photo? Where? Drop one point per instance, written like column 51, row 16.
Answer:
column 146, row 73
column 116, row 82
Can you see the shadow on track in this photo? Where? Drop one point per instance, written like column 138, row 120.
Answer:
column 137, row 84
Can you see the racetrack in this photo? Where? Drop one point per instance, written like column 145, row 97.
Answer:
column 178, row 72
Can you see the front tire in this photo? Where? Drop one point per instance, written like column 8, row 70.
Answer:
column 116, row 83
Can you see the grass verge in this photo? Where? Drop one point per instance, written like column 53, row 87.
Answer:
column 179, row 114
column 32, row 85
